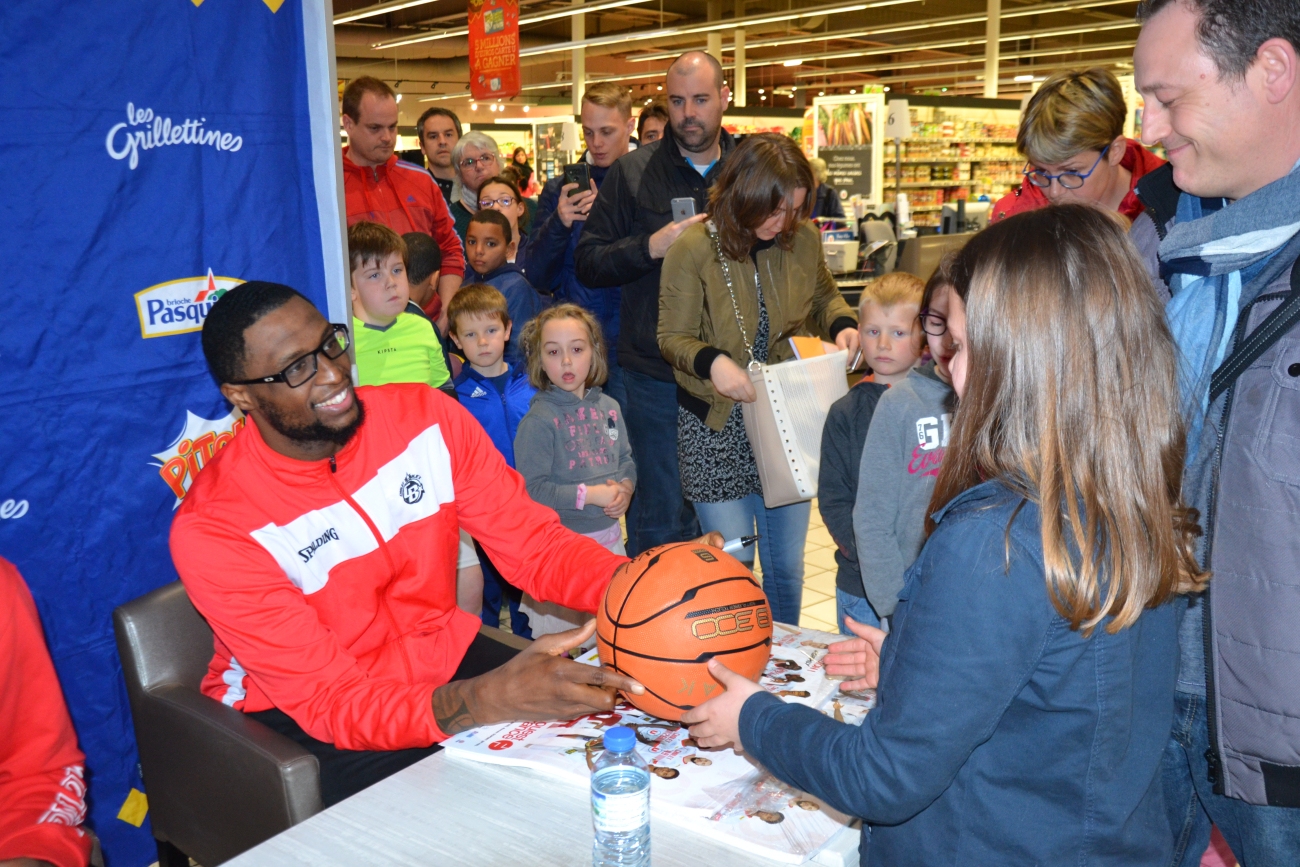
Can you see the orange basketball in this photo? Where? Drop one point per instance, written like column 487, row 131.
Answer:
column 670, row 611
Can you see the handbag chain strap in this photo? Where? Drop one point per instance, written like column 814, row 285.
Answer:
column 731, row 290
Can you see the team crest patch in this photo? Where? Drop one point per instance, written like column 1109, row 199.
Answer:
column 412, row 490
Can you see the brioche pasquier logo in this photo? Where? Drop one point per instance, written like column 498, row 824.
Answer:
column 144, row 130
column 180, row 306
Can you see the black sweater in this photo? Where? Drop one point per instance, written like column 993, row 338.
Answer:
column 837, row 480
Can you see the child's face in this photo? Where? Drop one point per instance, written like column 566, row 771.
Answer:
column 485, row 247
column 482, row 337
column 492, row 195
column 379, row 290
column 941, row 347
column 891, row 339
column 566, row 354
column 957, row 334
column 422, row 293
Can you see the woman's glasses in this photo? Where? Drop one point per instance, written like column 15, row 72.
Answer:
column 1069, row 180
column 933, row 324
column 504, row 201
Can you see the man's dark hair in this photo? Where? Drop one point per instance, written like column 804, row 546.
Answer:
column 658, row 108
column 231, row 316
column 494, row 218
column 437, row 112
column 1231, row 31
column 353, row 93
column 423, row 256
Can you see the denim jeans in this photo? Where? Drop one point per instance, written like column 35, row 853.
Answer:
column 856, row 607
column 781, row 536
column 1260, row 836
column 658, row 513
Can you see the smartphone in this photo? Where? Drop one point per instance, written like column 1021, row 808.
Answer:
column 683, row 209
column 580, row 174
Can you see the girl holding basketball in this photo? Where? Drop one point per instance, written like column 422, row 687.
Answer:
column 571, row 447
column 1026, row 691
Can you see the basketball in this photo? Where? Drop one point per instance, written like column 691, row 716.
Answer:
column 671, row 610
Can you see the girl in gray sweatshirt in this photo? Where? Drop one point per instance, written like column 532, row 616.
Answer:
column 572, row 447
column 900, row 461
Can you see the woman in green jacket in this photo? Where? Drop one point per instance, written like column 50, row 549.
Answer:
column 734, row 290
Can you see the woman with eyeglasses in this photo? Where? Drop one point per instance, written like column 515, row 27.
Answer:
column 502, row 194
column 1072, row 134
column 732, row 293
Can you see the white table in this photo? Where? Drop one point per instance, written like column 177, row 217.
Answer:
column 443, row 812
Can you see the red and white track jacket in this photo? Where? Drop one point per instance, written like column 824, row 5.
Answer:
column 42, row 772
column 331, row 585
column 402, row 196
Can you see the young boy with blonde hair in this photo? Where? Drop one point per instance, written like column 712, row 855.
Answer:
column 498, row 395
column 890, row 335
column 392, row 344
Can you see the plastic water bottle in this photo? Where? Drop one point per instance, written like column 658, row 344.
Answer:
column 620, row 803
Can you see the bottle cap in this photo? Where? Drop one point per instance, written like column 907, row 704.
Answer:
column 620, row 739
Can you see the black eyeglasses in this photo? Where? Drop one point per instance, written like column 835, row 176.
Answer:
column 933, row 324
column 302, row 370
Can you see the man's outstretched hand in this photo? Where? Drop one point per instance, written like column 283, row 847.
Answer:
column 857, row 658
column 538, row 684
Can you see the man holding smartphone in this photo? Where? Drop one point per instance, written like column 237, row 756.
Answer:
column 629, row 230
column 562, row 210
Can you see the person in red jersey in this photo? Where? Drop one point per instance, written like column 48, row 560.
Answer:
column 42, row 771
column 321, row 545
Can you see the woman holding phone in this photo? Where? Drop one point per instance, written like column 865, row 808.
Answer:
column 733, row 291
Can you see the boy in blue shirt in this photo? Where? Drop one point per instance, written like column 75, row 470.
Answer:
column 489, row 241
column 498, row 394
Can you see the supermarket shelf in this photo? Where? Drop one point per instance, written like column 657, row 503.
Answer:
column 917, row 209
column 1010, row 141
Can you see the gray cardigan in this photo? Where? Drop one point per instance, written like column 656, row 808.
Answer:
column 900, row 461
column 565, row 441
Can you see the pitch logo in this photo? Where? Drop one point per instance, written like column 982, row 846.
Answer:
column 197, row 444
column 180, row 306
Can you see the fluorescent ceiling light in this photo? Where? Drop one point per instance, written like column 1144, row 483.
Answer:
column 524, row 20
column 1041, row 9
column 795, row 62
column 1023, row 78
column 378, row 9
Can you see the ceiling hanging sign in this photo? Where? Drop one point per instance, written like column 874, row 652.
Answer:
column 493, row 48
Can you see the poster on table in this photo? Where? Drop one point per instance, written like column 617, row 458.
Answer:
column 493, row 48
column 846, row 133
column 168, row 152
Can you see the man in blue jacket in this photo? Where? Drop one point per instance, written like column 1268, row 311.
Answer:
column 562, row 208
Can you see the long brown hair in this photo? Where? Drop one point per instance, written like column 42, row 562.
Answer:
column 1071, row 399
column 759, row 176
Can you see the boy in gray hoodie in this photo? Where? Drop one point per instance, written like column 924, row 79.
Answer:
column 900, row 461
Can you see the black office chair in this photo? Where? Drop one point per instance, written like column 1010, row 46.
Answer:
column 218, row 782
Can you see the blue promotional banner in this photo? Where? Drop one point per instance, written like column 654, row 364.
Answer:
column 160, row 152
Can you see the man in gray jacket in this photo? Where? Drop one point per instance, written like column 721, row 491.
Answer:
column 1221, row 80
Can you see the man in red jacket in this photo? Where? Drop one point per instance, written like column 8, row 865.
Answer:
column 383, row 189
column 42, row 772
column 321, row 546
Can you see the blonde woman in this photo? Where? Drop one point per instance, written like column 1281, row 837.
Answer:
column 732, row 292
column 1072, row 134
column 1027, row 687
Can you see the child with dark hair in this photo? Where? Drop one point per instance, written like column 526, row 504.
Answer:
column 489, row 240
column 392, row 343
column 423, row 268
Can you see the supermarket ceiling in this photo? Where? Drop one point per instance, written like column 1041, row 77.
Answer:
column 792, row 48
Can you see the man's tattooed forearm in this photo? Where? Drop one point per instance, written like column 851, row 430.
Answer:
column 451, row 708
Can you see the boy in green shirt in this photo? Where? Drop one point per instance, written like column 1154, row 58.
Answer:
column 391, row 344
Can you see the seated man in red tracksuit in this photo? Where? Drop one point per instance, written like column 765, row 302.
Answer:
column 321, row 546
column 42, row 772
